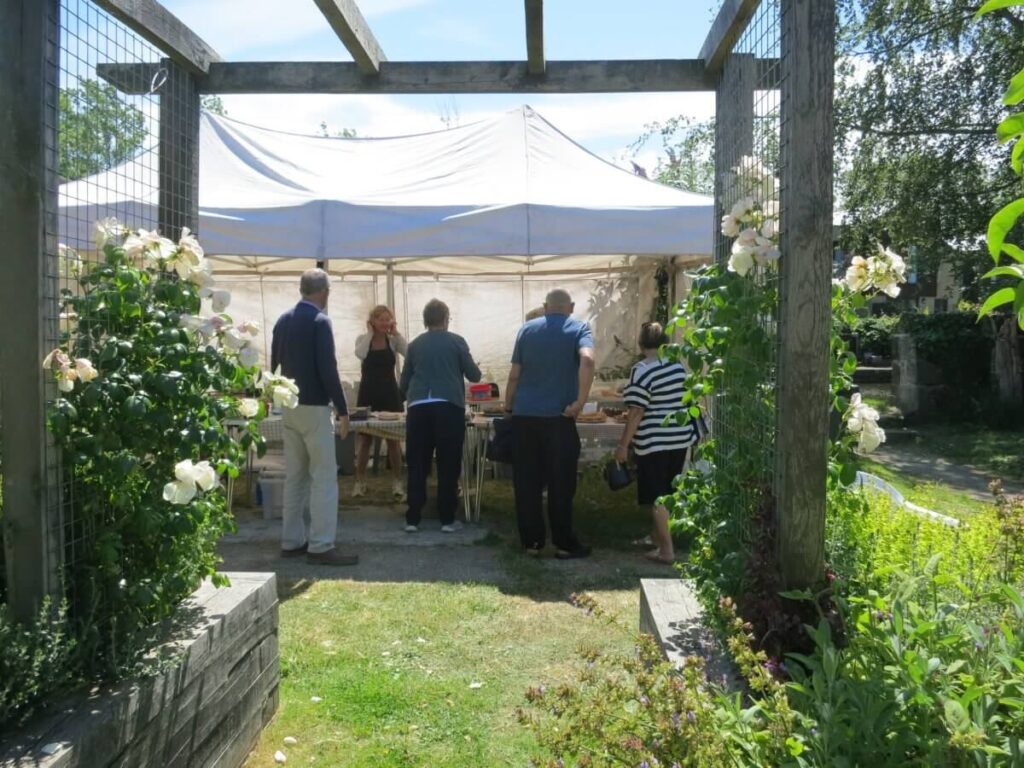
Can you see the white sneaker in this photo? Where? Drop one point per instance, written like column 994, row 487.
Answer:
column 452, row 528
column 359, row 489
column 411, row 528
column 398, row 490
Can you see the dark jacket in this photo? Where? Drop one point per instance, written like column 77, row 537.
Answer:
column 435, row 366
column 303, row 346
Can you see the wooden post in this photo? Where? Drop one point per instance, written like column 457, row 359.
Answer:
column 808, row 51
column 179, row 152
column 734, row 136
column 28, row 219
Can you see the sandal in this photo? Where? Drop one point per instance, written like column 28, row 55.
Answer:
column 655, row 556
column 643, row 541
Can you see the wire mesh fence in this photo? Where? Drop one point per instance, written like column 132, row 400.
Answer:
column 744, row 409
column 107, row 157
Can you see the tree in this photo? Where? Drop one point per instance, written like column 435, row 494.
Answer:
column 689, row 153
column 97, row 129
column 213, row 104
column 917, row 103
column 344, row 133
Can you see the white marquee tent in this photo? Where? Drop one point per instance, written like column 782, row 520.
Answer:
column 487, row 216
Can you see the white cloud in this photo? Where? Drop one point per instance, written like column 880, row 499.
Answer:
column 233, row 32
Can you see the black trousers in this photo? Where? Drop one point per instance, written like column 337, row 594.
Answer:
column 547, row 452
column 434, row 429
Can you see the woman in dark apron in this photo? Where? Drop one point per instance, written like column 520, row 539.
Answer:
column 378, row 391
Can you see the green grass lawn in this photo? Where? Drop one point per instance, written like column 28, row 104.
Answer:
column 934, row 496
column 430, row 673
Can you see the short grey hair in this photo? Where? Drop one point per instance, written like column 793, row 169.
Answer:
column 435, row 313
column 314, row 281
column 558, row 297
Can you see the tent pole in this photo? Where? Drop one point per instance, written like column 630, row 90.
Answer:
column 391, row 285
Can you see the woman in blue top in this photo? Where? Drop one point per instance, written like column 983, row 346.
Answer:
column 655, row 392
column 433, row 383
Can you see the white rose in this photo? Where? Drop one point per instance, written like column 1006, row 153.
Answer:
column 220, row 299
column 106, row 230
column 248, row 407
column 857, row 274
column 870, row 438
column 202, row 274
column 250, row 327
column 85, row 369
column 730, row 225
column 179, row 492
column 284, row 397
column 205, row 475
column 248, row 356
column 748, row 237
column 741, row 261
column 190, row 245
column 233, row 340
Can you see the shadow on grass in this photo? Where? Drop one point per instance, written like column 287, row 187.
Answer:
column 489, row 555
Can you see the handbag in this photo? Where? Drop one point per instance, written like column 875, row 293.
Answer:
column 618, row 476
column 501, row 447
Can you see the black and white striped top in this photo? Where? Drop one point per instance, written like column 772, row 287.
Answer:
column 657, row 387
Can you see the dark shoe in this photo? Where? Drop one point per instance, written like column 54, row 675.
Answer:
column 295, row 552
column 533, row 551
column 573, row 554
column 331, row 557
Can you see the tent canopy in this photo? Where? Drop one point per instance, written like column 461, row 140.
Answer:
column 513, row 187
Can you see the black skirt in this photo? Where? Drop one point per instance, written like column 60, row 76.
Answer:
column 378, row 389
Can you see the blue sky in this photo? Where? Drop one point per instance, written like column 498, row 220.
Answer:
column 283, row 30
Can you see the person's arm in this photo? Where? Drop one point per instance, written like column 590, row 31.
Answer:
column 407, row 371
column 275, row 346
column 513, row 384
column 399, row 344
column 363, row 345
column 585, row 380
column 469, row 367
column 327, row 365
column 633, row 418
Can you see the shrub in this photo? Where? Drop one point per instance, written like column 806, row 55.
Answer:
column 138, row 415
column 874, row 334
column 37, row 661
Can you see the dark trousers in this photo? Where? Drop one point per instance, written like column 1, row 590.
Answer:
column 434, row 428
column 547, row 451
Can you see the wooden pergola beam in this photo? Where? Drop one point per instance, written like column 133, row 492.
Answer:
column 535, row 63
column 617, row 76
column 730, row 23
column 351, row 28
column 164, row 30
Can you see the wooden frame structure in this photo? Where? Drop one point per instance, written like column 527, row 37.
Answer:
column 193, row 67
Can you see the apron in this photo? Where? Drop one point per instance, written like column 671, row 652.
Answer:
column 378, row 389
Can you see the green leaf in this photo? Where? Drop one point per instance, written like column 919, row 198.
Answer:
column 1010, row 127
column 1000, row 226
column 957, row 718
column 1015, row 252
column 1018, row 302
column 1014, row 270
column 997, row 5
column 1017, row 156
column 997, row 299
column 1015, row 93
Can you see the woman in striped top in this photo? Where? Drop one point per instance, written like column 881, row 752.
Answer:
column 655, row 392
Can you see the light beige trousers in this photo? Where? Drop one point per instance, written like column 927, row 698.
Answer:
column 311, row 478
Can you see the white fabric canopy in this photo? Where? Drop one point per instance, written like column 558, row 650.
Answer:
column 513, row 187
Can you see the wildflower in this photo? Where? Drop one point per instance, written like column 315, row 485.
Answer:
column 106, row 230
column 857, row 274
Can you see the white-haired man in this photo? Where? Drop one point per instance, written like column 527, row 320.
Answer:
column 303, row 346
column 552, row 370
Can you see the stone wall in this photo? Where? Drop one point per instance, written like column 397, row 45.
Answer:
column 206, row 709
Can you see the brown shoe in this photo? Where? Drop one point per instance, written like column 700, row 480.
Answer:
column 294, row 552
column 331, row 557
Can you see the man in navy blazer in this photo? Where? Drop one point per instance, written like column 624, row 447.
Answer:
column 303, row 347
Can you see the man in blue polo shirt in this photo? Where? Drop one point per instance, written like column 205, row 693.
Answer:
column 552, row 370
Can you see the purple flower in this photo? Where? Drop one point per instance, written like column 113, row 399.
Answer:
column 644, row 764
column 676, row 721
column 644, row 700
column 691, row 716
column 978, row 645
